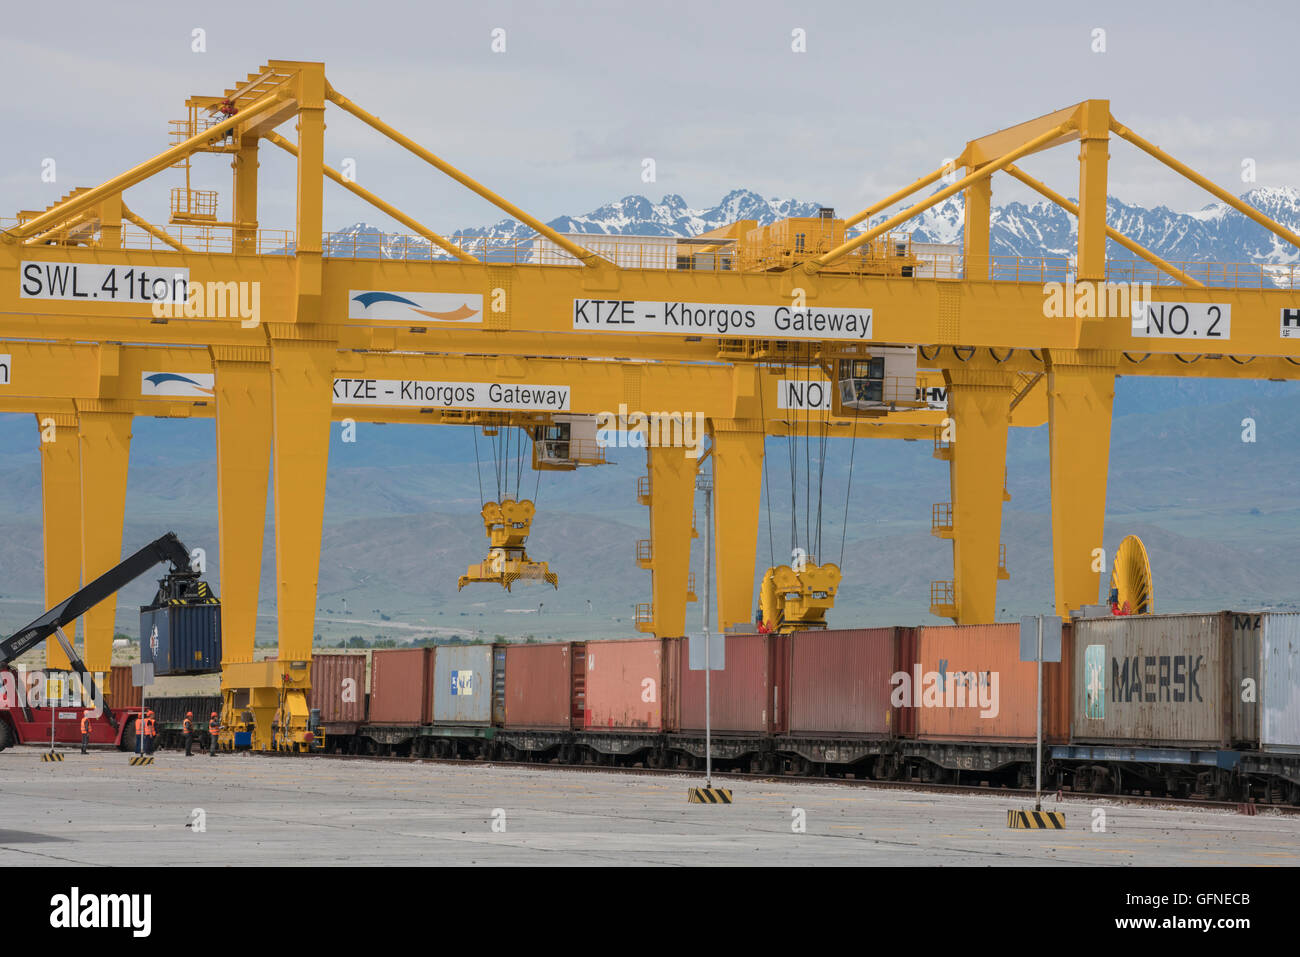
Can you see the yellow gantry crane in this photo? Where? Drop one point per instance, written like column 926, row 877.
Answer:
column 296, row 335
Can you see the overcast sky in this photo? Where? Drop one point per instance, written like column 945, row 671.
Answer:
column 712, row 91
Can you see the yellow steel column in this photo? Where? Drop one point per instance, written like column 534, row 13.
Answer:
column 245, row 204
column 61, row 518
column 311, row 188
column 1094, row 150
column 737, row 491
column 1080, row 394
column 243, row 393
column 302, row 382
column 110, row 222
column 979, row 209
column 979, row 402
column 105, row 439
column 672, row 500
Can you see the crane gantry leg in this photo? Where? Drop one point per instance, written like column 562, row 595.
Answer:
column 979, row 402
column 737, row 492
column 672, row 501
column 243, row 398
column 61, row 518
column 302, row 381
column 1080, row 395
column 105, row 451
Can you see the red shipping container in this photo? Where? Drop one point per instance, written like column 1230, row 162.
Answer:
column 338, row 688
column 121, row 693
column 838, row 682
column 629, row 686
column 977, row 662
column 401, row 686
column 539, row 686
column 740, row 696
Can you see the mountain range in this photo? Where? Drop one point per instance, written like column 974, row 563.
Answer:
column 1216, row 232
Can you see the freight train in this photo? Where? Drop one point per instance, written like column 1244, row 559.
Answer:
column 1176, row 705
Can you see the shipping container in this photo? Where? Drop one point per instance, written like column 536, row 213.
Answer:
column 170, row 711
column 740, row 695
column 969, row 684
column 538, row 687
column 1246, row 664
column 338, row 689
column 401, row 682
column 463, row 685
column 1159, row 680
column 1280, row 683
column 629, row 686
column 838, row 682
column 181, row 639
column 121, row 693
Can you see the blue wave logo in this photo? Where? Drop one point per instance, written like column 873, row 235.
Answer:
column 159, row 379
column 368, row 299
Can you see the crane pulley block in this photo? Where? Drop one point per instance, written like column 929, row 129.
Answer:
column 798, row 600
column 508, row 522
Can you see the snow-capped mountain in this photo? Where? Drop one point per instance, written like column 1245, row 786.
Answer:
column 1214, row 233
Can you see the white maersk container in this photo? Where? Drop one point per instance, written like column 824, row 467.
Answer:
column 1280, row 659
column 938, row 260
column 627, row 252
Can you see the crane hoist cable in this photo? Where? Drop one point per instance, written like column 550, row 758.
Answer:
column 848, row 490
column 767, row 478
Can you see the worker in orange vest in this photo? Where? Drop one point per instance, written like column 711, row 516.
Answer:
column 214, row 730
column 227, row 109
column 187, row 726
column 139, row 732
column 85, row 733
column 150, row 729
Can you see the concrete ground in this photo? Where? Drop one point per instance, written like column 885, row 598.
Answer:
column 97, row 810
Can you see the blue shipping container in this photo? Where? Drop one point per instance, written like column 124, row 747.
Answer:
column 181, row 639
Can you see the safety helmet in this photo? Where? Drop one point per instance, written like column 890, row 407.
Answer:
column 189, row 714
column 214, row 714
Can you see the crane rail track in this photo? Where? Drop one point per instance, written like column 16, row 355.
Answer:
column 1138, row 800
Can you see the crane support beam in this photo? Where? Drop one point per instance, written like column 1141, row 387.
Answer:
column 61, row 517
column 1218, row 192
column 245, row 166
column 737, row 452
column 1094, row 153
column 160, row 234
column 672, row 501
column 309, row 273
column 1111, row 233
column 977, row 228
column 83, row 201
column 243, row 410
column 979, row 402
column 302, row 380
column 893, row 198
column 987, row 148
column 814, row 265
column 588, row 257
column 379, row 204
column 1080, row 396
column 1004, row 315
column 105, row 450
